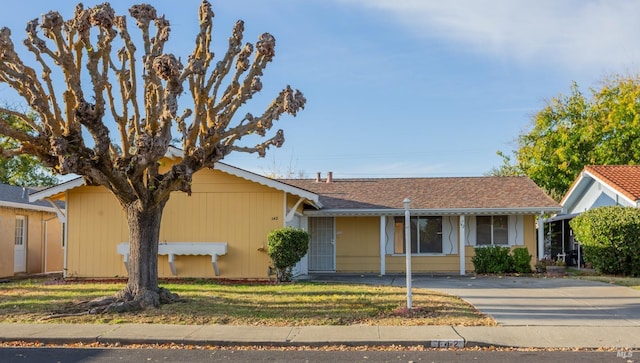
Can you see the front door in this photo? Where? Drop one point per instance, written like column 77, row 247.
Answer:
column 20, row 244
column 322, row 251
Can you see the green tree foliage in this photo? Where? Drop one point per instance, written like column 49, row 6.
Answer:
column 286, row 247
column 22, row 170
column 573, row 131
column 508, row 168
column 610, row 237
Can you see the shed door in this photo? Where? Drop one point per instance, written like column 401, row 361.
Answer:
column 20, row 244
column 322, row 251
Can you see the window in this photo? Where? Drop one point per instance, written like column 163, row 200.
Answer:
column 492, row 230
column 426, row 235
column 21, row 230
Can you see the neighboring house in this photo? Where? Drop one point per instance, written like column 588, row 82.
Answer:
column 596, row 186
column 30, row 234
column 356, row 225
column 603, row 185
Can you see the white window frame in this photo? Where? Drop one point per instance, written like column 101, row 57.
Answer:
column 396, row 253
column 20, row 232
column 492, row 242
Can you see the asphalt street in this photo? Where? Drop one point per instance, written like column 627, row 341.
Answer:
column 43, row 355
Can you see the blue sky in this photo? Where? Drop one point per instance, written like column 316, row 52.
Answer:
column 401, row 88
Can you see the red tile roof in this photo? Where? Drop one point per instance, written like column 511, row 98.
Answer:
column 428, row 193
column 623, row 178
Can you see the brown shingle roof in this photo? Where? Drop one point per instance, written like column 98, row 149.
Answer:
column 428, row 193
column 624, row 178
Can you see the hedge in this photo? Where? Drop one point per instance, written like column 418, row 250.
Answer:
column 610, row 239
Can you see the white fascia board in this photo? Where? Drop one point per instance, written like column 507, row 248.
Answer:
column 578, row 188
column 60, row 188
column 432, row 212
column 271, row 183
column 27, row 207
column 569, row 197
column 612, row 189
column 175, row 153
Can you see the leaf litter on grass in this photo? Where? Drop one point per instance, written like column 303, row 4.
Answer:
column 261, row 303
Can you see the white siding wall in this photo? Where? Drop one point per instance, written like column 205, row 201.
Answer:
column 598, row 195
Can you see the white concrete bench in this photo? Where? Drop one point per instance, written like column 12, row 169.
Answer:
column 173, row 249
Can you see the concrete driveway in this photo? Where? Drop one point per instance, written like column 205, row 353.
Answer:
column 518, row 301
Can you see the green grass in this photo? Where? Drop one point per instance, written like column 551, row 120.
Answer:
column 211, row 302
column 632, row 282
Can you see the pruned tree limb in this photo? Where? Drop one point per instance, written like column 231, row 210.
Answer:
column 90, row 78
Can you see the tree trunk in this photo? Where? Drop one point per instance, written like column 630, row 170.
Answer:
column 142, row 290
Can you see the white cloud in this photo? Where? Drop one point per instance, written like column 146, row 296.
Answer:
column 584, row 34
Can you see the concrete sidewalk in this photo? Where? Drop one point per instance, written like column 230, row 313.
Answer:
column 429, row 336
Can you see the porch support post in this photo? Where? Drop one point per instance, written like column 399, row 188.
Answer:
column 383, row 250
column 540, row 236
column 462, row 251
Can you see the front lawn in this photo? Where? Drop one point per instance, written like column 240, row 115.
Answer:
column 211, row 302
column 632, row 282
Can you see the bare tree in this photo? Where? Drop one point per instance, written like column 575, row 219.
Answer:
column 105, row 81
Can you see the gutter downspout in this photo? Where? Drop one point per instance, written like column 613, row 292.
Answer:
column 43, row 240
column 65, row 234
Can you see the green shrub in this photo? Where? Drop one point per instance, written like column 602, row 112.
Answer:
column 610, row 237
column 286, row 246
column 521, row 260
column 492, row 260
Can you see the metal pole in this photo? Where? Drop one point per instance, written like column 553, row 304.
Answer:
column 407, row 242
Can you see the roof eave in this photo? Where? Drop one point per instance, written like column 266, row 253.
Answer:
column 336, row 212
column 272, row 183
column 57, row 189
column 25, row 206
column 579, row 187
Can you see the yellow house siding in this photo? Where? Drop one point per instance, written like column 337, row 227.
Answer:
column 425, row 264
column 36, row 238
column 54, row 249
column 242, row 220
column 95, row 226
column 358, row 244
column 530, row 236
column 222, row 208
column 7, row 228
column 357, row 248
